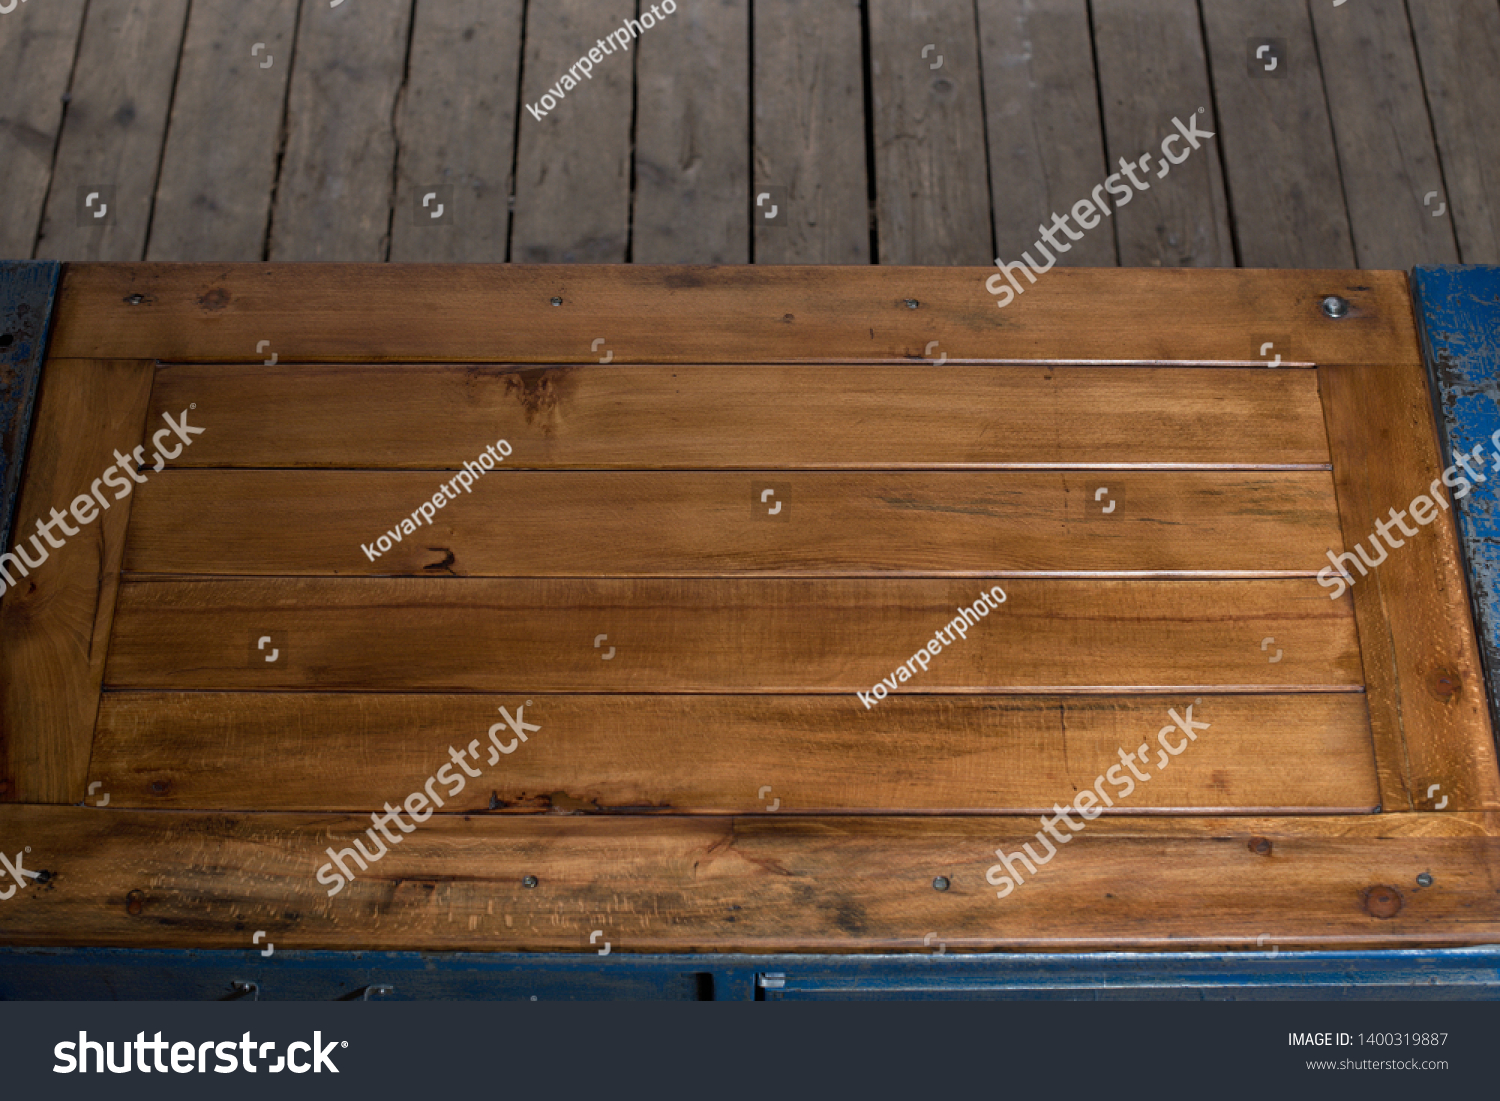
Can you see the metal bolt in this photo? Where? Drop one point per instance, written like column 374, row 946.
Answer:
column 940, row 883
column 1335, row 307
column 1424, row 880
column 530, row 881
column 912, row 303
column 557, row 301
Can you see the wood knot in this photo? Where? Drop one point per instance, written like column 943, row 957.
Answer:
column 1260, row 846
column 1446, row 685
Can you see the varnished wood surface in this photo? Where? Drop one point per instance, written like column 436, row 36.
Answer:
column 655, row 523
column 492, row 314
column 150, row 879
column 1289, row 753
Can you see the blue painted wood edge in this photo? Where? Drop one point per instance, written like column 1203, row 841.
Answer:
column 1458, row 320
column 180, row 974
column 28, row 289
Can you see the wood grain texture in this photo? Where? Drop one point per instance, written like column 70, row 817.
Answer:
column 113, row 130
column 1046, row 142
column 1384, row 135
column 1458, row 44
column 55, row 622
column 456, row 128
column 1277, row 139
column 757, row 635
column 717, row 754
column 647, row 314
column 333, row 196
column 649, row 524
column 213, row 198
column 1152, row 69
column 696, row 418
column 573, row 165
column 1421, row 662
column 692, row 146
column 931, row 185
column 809, row 131
column 36, row 64
column 769, row 882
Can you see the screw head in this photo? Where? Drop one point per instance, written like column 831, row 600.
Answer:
column 530, row 881
column 912, row 303
column 556, row 301
column 940, row 883
column 1335, row 307
column 1424, row 880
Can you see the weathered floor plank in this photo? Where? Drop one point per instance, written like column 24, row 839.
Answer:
column 1152, row 72
column 333, row 197
column 931, row 185
column 1384, row 137
column 770, row 882
column 1283, row 172
column 692, row 140
column 733, row 754
column 436, row 417
column 652, row 524
column 112, row 133
column 710, row 635
column 573, row 164
column 456, row 132
column 809, row 131
column 1046, row 143
column 36, row 63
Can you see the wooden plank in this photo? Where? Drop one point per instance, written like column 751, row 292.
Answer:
column 55, row 621
column 692, row 151
column 1277, row 138
column 113, row 131
column 435, row 418
column 1427, row 702
column 1046, row 141
column 1152, row 71
column 36, row 65
column 498, row 313
column 333, row 196
column 1458, row 44
column 573, row 164
column 213, row 199
column 627, row 523
column 931, row 186
column 28, row 289
column 750, row 634
column 456, row 129
column 720, row 754
column 809, row 131
column 1384, row 135
column 771, row 882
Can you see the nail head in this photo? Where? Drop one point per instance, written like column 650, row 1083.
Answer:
column 1335, row 307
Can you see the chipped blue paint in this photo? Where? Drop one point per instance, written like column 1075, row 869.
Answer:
column 27, row 290
column 109, row 974
column 1458, row 315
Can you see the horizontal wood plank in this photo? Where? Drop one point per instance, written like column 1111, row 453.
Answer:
column 629, row 523
column 417, row 417
column 746, row 314
column 702, row 635
column 731, row 754
column 766, row 883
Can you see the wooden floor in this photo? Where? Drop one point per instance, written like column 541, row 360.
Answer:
column 936, row 132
